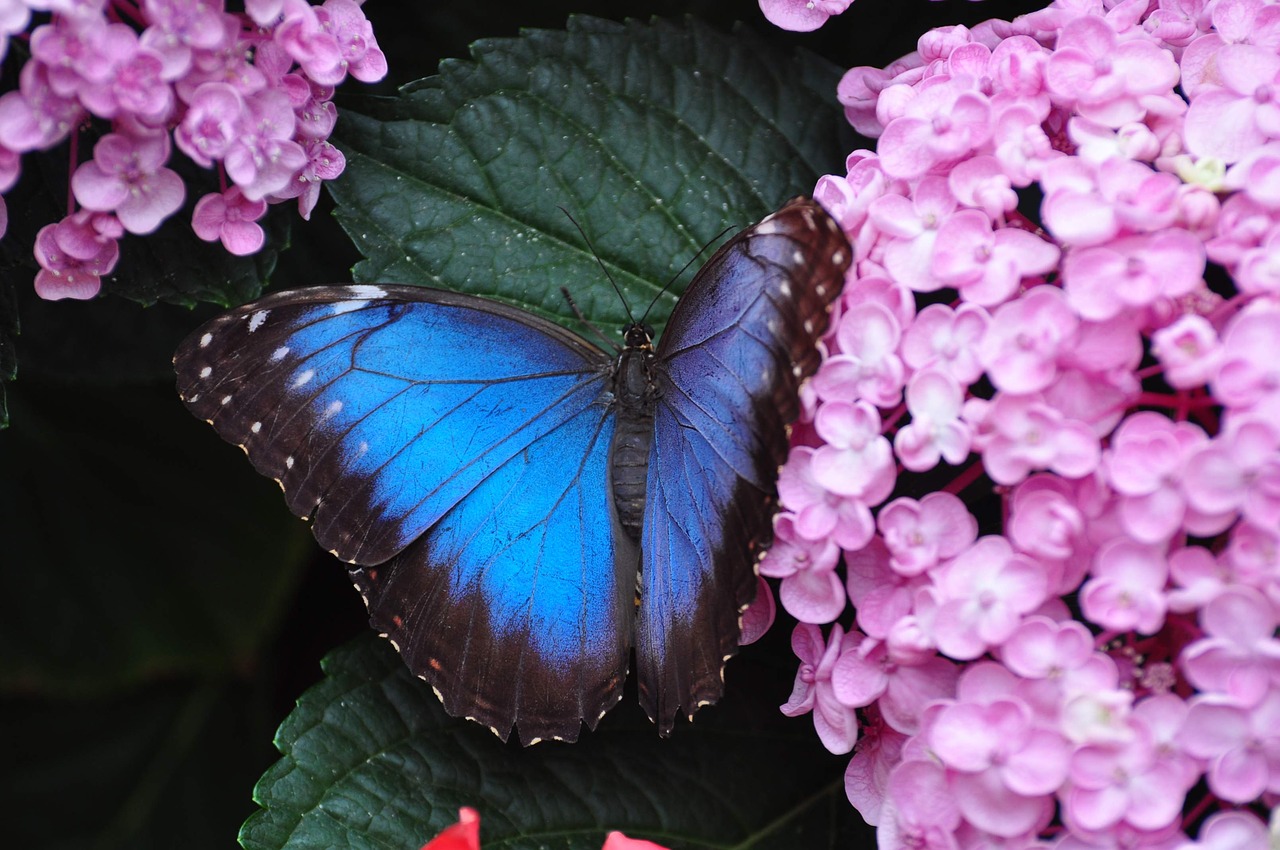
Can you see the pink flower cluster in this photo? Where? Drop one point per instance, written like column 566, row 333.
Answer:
column 248, row 93
column 1064, row 318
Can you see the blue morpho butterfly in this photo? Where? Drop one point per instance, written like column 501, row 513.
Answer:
column 520, row 506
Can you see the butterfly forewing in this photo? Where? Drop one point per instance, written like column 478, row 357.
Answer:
column 741, row 339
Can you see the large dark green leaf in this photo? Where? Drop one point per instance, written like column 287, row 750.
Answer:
column 653, row 137
column 371, row 761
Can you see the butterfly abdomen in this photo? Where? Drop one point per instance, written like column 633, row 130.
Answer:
column 634, row 393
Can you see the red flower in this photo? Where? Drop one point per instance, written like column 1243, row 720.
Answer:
column 465, row 835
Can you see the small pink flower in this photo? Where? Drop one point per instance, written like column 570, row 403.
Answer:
column 867, row 365
column 1238, row 470
column 1041, row 648
column 1248, row 378
column 1189, row 350
column 856, row 460
column 935, row 431
column 351, row 30
column 1105, row 77
column 1045, row 521
column 919, row 810
column 899, row 687
column 1145, row 465
column 819, row 513
column 264, row 158
column 836, row 723
column 36, row 117
column 922, row 534
column 304, row 37
column 1240, row 649
column 1241, row 742
column 947, row 340
column 231, row 218
column 880, row 596
column 1128, row 782
column 1126, row 592
column 986, row 265
column 324, row 162
column 1231, row 121
column 1131, row 273
column 1026, row 338
column 810, row 590
column 911, row 225
column 939, row 124
column 74, row 254
column 982, row 594
column 1019, row 434
column 1000, row 764
column 212, row 122
column 801, row 15
column 127, row 176
column 176, row 28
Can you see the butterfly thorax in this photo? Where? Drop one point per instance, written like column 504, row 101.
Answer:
column 635, row 391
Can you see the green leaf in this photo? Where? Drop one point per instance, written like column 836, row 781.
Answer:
column 654, row 137
column 371, row 761
column 128, row 557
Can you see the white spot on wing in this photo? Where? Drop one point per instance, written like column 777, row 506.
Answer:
column 348, row 307
column 797, row 257
column 256, row 427
column 304, row 377
column 366, row 291
column 256, row 320
column 767, row 226
column 838, row 258
column 226, row 399
column 206, row 371
column 279, row 353
column 288, row 462
column 785, row 289
column 205, row 340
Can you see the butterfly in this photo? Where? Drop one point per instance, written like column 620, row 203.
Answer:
column 521, row 508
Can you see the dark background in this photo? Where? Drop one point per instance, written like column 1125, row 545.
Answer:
column 166, row 756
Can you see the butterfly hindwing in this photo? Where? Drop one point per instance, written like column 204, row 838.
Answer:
column 742, row 338
column 455, row 449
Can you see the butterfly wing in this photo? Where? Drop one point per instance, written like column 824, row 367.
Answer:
column 456, row 450
column 731, row 360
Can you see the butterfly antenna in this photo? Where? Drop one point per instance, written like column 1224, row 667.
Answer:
column 685, row 268
column 573, row 305
column 603, row 268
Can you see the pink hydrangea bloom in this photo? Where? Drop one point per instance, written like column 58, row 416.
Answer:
column 249, row 96
column 231, row 218
column 1072, row 220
